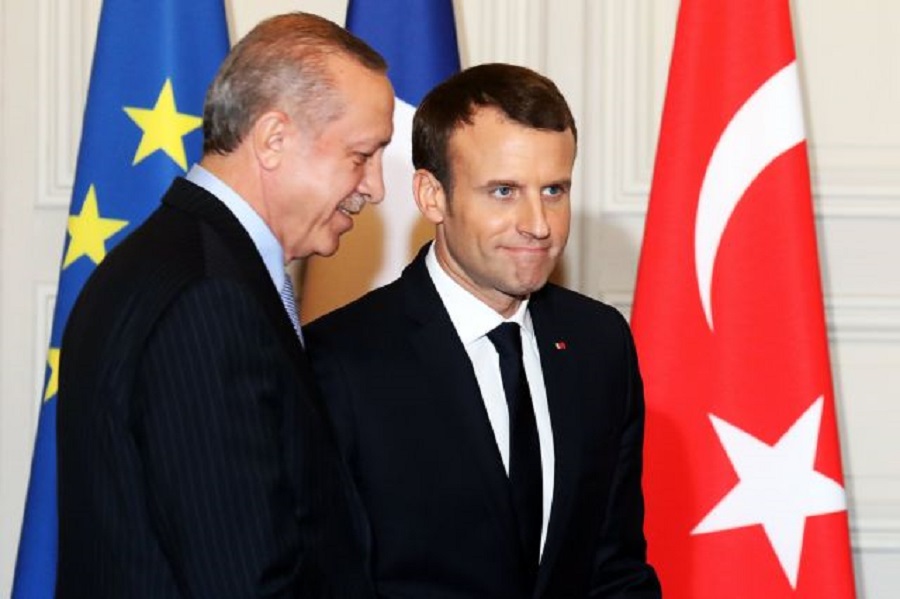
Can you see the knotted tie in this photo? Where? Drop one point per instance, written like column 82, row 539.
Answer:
column 290, row 304
column 524, row 446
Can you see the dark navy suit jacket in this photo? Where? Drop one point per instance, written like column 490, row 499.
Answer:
column 411, row 421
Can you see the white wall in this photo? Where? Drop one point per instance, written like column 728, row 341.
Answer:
column 611, row 59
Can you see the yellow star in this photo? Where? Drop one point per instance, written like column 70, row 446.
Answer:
column 88, row 231
column 163, row 127
column 53, row 363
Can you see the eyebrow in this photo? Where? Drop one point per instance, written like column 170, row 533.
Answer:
column 372, row 144
column 501, row 183
column 566, row 183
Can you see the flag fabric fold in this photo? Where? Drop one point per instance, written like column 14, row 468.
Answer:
column 418, row 41
column 142, row 126
column 743, row 478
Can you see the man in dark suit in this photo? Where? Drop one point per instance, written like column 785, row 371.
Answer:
column 493, row 422
column 195, row 459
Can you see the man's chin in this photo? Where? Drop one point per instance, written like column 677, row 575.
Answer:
column 327, row 248
column 327, row 252
column 528, row 285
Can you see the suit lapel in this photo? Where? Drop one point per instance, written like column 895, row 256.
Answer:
column 558, row 363
column 250, row 268
column 448, row 368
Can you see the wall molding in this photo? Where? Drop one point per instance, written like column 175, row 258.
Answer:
column 876, row 534
column 44, row 305
column 850, row 318
column 507, row 31
column 875, row 512
column 66, row 36
column 864, row 318
column 849, row 180
column 875, row 523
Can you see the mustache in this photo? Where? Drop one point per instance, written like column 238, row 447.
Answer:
column 353, row 204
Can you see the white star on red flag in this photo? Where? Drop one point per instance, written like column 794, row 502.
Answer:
column 778, row 488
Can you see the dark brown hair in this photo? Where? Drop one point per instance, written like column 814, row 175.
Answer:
column 522, row 95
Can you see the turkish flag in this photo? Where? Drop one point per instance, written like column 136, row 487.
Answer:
column 743, row 478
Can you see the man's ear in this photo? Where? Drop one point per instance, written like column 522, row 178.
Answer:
column 268, row 137
column 430, row 196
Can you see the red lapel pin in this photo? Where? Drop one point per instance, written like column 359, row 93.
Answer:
column 560, row 345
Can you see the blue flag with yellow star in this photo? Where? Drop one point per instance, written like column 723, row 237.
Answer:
column 142, row 127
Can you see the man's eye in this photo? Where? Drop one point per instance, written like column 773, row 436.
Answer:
column 554, row 191
column 502, row 191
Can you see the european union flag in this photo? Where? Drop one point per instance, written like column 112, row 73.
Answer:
column 142, row 126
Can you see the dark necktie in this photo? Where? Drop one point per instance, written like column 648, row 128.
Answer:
column 524, row 446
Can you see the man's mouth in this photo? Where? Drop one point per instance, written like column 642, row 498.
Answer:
column 353, row 204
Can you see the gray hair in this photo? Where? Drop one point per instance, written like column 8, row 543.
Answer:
column 281, row 64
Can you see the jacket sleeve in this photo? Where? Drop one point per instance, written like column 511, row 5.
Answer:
column 620, row 566
column 208, row 432
column 334, row 382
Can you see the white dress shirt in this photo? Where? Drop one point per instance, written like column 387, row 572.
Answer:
column 473, row 320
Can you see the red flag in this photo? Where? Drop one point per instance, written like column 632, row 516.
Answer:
column 743, row 476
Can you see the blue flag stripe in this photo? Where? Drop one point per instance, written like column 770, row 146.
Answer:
column 418, row 40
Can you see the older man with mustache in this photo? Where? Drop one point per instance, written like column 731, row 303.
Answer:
column 194, row 458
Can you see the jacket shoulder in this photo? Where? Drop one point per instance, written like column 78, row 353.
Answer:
column 377, row 310
column 576, row 305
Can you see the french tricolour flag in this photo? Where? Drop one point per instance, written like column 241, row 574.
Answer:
column 418, row 40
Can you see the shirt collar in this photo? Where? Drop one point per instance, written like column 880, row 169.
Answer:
column 263, row 238
column 471, row 317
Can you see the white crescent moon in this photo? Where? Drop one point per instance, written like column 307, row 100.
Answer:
column 768, row 124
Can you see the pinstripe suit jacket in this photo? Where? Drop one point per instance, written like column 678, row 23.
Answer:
column 194, row 458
